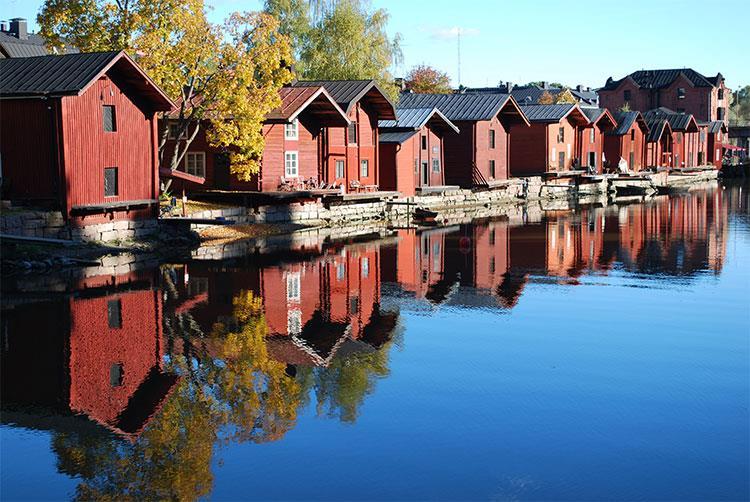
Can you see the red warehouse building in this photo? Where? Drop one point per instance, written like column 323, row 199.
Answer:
column 659, row 143
column 552, row 143
column 685, row 136
column 628, row 141
column 716, row 137
column 592, row 140
column 293, row 155
column 412, row 152
column 479, row 154
column 78, row 133
column 684, row 90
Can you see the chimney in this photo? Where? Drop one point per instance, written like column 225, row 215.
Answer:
column 508, row 86
column 18, row 28
column 3, row 26
column 400, row 83
column 545, row 84
column 579, row 88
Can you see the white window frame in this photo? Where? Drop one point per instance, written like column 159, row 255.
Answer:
column 294, row 321
column 336, row 169
column 291, row 130
column 364, row 168
column 291, row 164
column 365, row 267
column 192, row 166
column 293, row 287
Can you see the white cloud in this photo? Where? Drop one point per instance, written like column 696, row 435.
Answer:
column 448, row 33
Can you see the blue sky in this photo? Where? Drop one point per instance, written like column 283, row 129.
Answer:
column 573, row 42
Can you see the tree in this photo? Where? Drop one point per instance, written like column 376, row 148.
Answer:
column 739, row 109
column 294, row 20
column 546, row 98
column 565, row 96
column 540, row 83
column 425, row 79
column 350, row 42
column 214, row 73
column 625, row 107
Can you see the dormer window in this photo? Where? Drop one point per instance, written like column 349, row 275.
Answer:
column 680, row 93
column 291, row 130
column 352, row 140
column 626, row 95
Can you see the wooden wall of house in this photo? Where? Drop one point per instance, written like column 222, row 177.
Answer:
column 28, row 150
column 484, row 154
column 88, row 149
column 459, row 155
column 338, row 147
column 491, row 259
column 528, row 150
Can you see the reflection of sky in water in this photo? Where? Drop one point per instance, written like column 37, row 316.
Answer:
column 600, row 354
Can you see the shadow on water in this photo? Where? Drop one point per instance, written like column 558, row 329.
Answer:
column 142, row 379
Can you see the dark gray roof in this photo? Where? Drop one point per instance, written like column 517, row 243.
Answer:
column 593, row 114
column 14, row 47
column 458, row 107
column 656, row 127
column 395, row 136
column 58, row 75
column 677, row 121
column 715, row 126
column 345, row 92
column 414, row 118
column 547, row 113
column 530, row 94
column 658, row 79
column 624, row 122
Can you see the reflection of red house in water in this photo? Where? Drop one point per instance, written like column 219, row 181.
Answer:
column 111, row 371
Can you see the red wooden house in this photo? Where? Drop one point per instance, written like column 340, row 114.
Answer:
column 412, row 152
column 659, row 143
column 78, row 133
column 552, row 143
column 627, row 141
column 479, row 154
column 716, row 136
column 601, row 122
column 350, row 156
column 685, row 136
column 293, row 154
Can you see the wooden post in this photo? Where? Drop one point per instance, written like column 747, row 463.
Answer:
column 184, row 200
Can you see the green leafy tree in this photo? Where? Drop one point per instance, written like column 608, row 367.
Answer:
column 739, row 109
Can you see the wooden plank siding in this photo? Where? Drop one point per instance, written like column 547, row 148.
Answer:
column 401, row 165
column 536, row 149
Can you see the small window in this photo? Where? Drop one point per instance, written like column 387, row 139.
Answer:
column 365, row 267
column 173, row 128
column 492, row 168
column 435, row 165
column 492, row 237
column 703, row 136
column 424, row 142
column 632, row 134
column 354, row 305
column 294, row 321
column 365, row 168
column 340, row 169
column 492, row 265
column 416, row 166
column 592, row 135
column 293, row 287
column 561, row 135
column 492, row 138
column 110, row 182
column 679, row 138
column 353, row 133
column 681, row 93
column 110, row 120
column 720, row 113
column 291, row 130
column 291, row 169
column 626, row 95
column 114, row 314
column 195, row 163
column 340, row 271
column 116, row 375
column 720, row 94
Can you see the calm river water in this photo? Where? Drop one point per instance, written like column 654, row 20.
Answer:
column 597, row 354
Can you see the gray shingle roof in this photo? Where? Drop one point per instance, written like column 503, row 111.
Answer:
column 57, row 75
column 395, row 136
column 547, row 113
column 657, row 79
column 13, row 47
column 345, row 92
column 677, row 121
column 458, row 107
column 656, row 127
column 414, row 118
column 593, row 114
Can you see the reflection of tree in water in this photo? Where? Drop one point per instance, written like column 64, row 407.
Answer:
column 231, row 391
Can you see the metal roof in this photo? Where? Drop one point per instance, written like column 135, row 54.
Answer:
column 658, row 79
column 625, row 122
column 656, row 126
column 295, row 100
column 348, row 92
column 593, row 114
column 550, row 113
column 395, row 136
column 530, row 94
column 415, row 118
column 71, row 74
column 677, row 121
column 458, row 107
column 715, row 126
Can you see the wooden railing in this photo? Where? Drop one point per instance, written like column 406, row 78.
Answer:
column 477, row 178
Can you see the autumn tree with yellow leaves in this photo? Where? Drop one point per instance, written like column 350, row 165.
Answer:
column 226, row 77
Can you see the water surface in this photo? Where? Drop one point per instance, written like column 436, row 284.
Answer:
column 600, row 353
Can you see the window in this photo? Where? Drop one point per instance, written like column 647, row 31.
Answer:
column 720, row 94
column 435, row 165
column 110, row 182
column 291, row 130
column 492, row 237
column 632, row 134
column 680, row 93
column 435, row 249
column 561, row 160
column 679, row 138
column 291, row 169
column 720, row 113
column 592, row 135
column 294, row 321
column 492, row 138
column 173, row 128
column 354, row 305
column 416, row 166
column 293, row 287
column 492, row 265
column 353, row 133
column 340, row 169
column 703, row 136
column 110, row 121
column 424, row 142
column 365, row 267
column 561, row 135
column 492, row 168
column 364, row 168
column 340, row 271
column 195, row 163
column 631, row 163
column 626, row 95
column 114, row 313
column 116, row 375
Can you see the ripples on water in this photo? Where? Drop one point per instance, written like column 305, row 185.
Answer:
column 600, row 353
